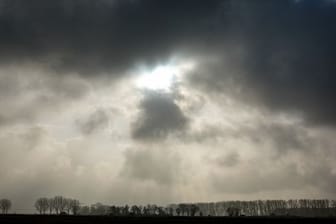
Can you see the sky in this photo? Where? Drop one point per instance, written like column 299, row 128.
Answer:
column 146, row 101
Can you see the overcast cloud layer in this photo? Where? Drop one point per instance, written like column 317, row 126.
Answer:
column 249, row 114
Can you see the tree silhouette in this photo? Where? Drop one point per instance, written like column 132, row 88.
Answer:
column 178, row 211
column 183, row 208
column 114, row 210
column 74, row 206
column 126, row 210
column 42, row 205
column 233, row 211
column 5, row 205
column 60, row 204
column 135, row 210
column 51, row 205
column 194, row 209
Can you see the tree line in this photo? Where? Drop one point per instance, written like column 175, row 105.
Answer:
column 126, row 210
column 224, row 208
column 263, row 207
column 62, row 205
column 57, row 205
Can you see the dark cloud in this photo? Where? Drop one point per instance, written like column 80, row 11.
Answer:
column 96, row 121
column 92, row 37
column 281, row 55
column 159, row 117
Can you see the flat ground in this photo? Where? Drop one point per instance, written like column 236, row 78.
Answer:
column 25, row 219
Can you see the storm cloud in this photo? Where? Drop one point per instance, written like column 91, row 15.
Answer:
column 92, row 37
column 159, row 116
column 280, row 52
column 281, row 56
column 247, row 113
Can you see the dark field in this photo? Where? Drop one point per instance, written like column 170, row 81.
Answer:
column 16, row 219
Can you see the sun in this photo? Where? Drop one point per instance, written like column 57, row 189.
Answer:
column 160, row 78
column 163, row 77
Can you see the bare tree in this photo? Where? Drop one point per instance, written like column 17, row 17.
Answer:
column 74, row 206
column 63, row 205
column 56, row 203
column 145, row 210
column 183, row 208
column 178, row 211
column 233, row 211
column 59, row 204
column 42, row 205
column 134, row 210
column 333, row 204
column 126, row 210
column 114, row 210
column 68, row 205
column 5, row 205
column 170, row 211
column 51, row 205
column 194, row 209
